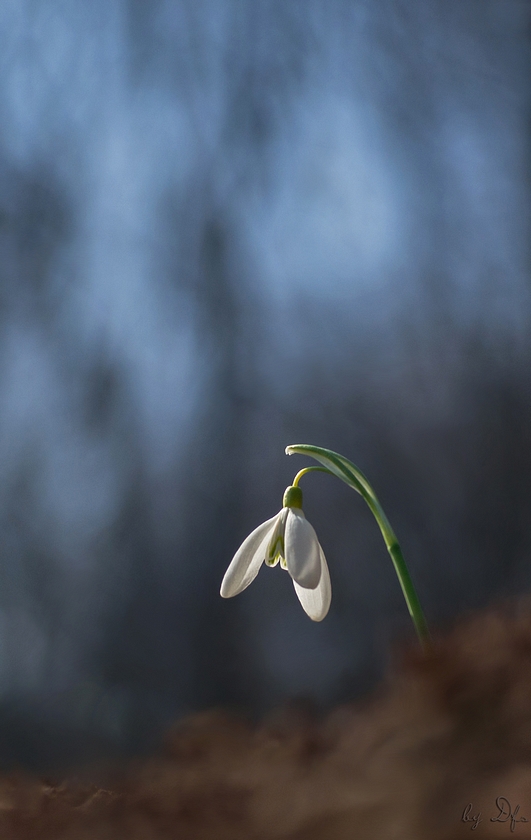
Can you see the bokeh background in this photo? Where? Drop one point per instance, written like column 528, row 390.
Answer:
column 227, row 226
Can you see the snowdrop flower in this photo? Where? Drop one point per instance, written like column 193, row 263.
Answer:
column 289, row 538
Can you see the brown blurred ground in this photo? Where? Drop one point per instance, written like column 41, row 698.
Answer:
column 446, row 730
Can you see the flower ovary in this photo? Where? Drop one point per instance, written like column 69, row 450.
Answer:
column 292, row 497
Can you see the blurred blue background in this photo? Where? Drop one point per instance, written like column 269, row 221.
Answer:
column 227, row 226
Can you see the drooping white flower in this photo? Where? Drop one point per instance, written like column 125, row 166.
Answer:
column 289, row 538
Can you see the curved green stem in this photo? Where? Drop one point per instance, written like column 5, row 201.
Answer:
column 348, row 472
column 307, row 470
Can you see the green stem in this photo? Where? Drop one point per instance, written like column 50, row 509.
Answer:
column 307, row 470
column 348, row 472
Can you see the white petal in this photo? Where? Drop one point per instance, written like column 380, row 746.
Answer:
column 246, row 563
column 316, row 602
column 302, row 550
